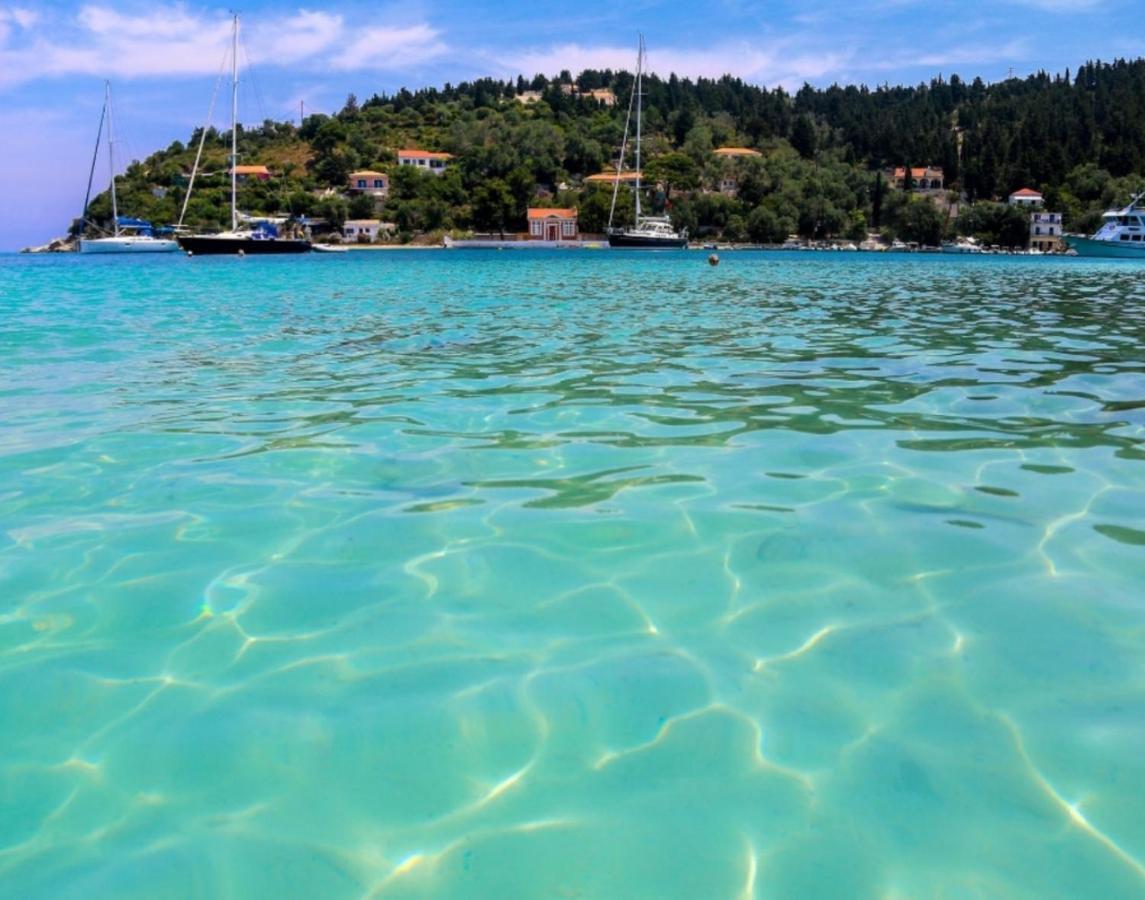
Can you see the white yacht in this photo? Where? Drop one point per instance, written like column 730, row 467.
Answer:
column 649, row 232
column 128, row 235
column 1122, row 233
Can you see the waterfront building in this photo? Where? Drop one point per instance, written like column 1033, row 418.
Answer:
column 366, row 230
column 1045, row 231
column 548, row 224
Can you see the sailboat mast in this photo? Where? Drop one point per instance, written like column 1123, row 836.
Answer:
column 111, row 158
column 91, row 171
column 639, row 108
column 234, row 123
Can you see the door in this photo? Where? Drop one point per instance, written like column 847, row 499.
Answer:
column 552, row 231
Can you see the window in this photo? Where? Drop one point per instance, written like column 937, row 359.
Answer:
column 378, row 183
column 1038, row 229
column 568, row 227
column 361, row 182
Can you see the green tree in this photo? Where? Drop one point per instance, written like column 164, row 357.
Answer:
column 922, row 222
column 493, row 206
column 361, row 207
column 765, row 227
column 803, row 136
column 673, row 170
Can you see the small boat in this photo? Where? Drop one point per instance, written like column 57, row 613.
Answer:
column 649, row 232
column 329, row 248
column 1121, row 235
column 261, row 238
column 962, row 245
column 128, row 235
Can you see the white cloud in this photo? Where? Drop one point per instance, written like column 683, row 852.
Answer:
column 171, row 41
column 391, row 48
column 300, row 36
column 781, row 66
column 971, row 53
column 20, row 18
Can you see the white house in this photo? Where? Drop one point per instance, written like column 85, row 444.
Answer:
column 364, row 231
column 1025, row 197
column 426, row 160
column 1045, row 231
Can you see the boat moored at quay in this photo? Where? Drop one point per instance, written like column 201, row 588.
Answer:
column 1121, row 235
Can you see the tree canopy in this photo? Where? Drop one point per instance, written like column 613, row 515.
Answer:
column 1080, row 140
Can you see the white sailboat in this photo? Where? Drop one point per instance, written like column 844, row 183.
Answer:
column 128, row 235
column 649, row 232
column 262, row 237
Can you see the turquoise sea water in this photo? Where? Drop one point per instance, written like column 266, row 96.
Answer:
column 572, row 575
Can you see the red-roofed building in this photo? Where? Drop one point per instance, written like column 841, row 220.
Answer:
column 1025, row 197
column 261, row 173
column 547, row 224
column 924, row 178
column 426, row 160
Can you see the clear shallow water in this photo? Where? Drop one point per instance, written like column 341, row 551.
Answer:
column 500, row 575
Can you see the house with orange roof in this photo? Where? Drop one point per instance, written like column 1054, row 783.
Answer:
column 260, row 173
column 551, row 224
column 367, row 181
column 737, row 153
column 1025, row 197
column 612, row 177
column 426, row 160
column 730, row 157
column 925, row 179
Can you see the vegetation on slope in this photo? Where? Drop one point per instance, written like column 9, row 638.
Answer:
column 1080, row 140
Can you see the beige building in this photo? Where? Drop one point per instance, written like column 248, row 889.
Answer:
column 548, row 224
column 367, row 181
column 925, row 179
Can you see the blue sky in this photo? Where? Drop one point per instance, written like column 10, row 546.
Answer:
column 163, row 59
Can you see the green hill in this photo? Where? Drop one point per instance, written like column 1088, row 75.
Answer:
column 1080, row 140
